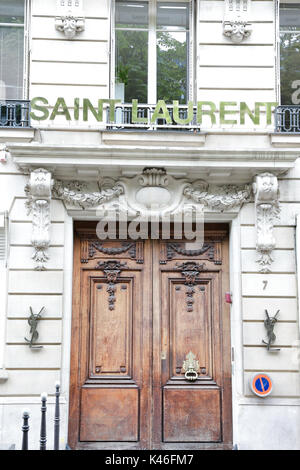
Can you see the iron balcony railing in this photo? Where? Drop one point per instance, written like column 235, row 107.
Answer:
column 287, row 119
column 14, row 113
column 123, row 118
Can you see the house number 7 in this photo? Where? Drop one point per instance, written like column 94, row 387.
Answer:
column 265, row 283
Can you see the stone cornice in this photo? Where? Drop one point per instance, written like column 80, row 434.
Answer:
column 28, row 153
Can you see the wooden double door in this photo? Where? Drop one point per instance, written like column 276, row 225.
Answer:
column 150, row 358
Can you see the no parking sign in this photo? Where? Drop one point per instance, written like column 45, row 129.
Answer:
column 261, row 385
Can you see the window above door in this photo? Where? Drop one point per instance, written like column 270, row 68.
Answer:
column 153, row 56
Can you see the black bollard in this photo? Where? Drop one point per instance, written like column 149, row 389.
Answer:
column 25, row 429
column 43, row 435
column 56, row 417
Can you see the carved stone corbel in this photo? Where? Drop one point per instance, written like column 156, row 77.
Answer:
column 38, row 191
column 70, row 21
column 69, row 25
column 265, row 189
column 235, row 25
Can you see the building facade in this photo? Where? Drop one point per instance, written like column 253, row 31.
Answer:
column 146, row 112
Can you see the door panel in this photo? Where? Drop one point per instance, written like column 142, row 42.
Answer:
column 191, row 415
column 190, row 324
column 141, row 311
column 111, row 357
column 109, row 414
column 189, row 317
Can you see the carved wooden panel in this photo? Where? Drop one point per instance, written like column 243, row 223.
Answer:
column 190, row 329
column 210, row 250
column 111, row 329
column 93, row 248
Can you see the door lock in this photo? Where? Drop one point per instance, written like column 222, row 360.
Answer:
column 191, row 367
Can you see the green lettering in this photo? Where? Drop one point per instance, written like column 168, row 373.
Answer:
column 210, row 112
column 135, row 119
column 63, row 112
column 76, row 108
column 224, row 111
column 161, row 112
column 87, row 105
column 269, row 107
column 112, row 105
column 176, row 113
column 37, row 107
column 244, row 109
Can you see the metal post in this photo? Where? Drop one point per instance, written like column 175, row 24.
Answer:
column 43, row 436
column 56, row 417
column 25, row 429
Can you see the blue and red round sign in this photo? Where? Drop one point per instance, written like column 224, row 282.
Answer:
column 261, row 385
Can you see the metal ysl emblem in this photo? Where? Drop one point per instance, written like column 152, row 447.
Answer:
column 269, row 323
column 33, row 322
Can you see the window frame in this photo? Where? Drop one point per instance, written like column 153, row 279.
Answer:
column 152, row 51
column 26, row 48
column 278, row 3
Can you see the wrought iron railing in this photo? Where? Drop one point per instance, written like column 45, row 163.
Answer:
column 14, row 113
column 43, row 433
column 123, row 118
column 287, row 119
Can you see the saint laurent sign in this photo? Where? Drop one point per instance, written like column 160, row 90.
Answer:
column 162, row 113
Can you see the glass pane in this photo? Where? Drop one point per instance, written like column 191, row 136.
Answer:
column 131, row 14
column 172, row 66
column 11, row 62
column 131, row 65
column 11, row 11
column 289, row 66
column 171, row 15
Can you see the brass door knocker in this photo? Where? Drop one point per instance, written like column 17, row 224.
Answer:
column 191, row 367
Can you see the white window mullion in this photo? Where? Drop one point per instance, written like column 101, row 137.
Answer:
column 112, row 50
column 277, row 51
column 152, row 54
column 27, row 50
column 191, row 52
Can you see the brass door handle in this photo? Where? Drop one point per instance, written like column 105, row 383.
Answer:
column 191, row 367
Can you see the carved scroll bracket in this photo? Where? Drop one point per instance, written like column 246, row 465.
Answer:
column 38, row 191
column 235, row 25
column 265, row 188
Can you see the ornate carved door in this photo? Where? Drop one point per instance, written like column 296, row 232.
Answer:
column 150, row 360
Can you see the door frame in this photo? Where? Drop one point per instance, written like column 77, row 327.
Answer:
column 74, row 348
